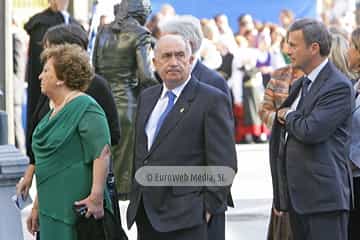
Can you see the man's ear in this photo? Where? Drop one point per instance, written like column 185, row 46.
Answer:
column 191, row 60
column 315, row 47
column 154, row 62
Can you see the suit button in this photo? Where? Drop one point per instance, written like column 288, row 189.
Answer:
column 146, row 162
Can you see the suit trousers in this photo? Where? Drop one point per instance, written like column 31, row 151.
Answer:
column 354, row 221
column 216, row 227
column 147, row 232
column 319, row 226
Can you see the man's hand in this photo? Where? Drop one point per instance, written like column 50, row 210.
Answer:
column 281, row 115
column 278, row 213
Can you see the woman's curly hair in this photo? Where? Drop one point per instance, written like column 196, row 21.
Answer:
column 71, row 64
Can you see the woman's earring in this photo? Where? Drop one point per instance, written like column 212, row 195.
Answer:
column 58, row 83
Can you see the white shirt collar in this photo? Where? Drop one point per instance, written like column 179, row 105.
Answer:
column 177, row 91
column 315, row 72
column 66, row 16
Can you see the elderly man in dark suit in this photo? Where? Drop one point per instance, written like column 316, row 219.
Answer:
column 310, row 140
column 181, row 122
column 189, row 28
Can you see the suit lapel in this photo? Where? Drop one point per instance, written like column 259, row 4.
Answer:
column 179, row 110
column 318, row 82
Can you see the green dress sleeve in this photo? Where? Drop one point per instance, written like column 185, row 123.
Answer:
column 94, row 132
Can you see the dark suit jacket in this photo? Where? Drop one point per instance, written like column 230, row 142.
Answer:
column 211, row 77
column 201, row 134
column 314, row 165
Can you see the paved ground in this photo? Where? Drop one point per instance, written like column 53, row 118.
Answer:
column 251, row 191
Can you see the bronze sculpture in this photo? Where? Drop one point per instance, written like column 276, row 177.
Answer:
column 122, row 55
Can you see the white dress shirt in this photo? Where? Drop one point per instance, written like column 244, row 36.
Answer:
column 159, row 109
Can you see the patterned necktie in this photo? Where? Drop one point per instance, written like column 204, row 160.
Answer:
column 304, row 90
column 171, row 96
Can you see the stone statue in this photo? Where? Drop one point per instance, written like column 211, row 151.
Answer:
column 122, row 55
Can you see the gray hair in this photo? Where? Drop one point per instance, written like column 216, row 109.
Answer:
column 188, row 27
column 186, row 42
column 314, row 32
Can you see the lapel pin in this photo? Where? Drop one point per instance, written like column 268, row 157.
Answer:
column 182, row 110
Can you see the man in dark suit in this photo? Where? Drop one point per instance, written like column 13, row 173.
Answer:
column 310, row 140
column 189, row 28
column 182, row 122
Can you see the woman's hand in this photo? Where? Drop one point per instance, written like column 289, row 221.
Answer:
column 95, row 201
column 23, row 186
column 32, row 221
column 95, row 205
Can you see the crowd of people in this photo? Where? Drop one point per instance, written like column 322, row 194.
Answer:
column 175, row 90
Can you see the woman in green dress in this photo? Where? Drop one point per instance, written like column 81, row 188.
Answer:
column 70, row 145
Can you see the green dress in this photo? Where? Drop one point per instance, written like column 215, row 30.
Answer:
column 65, row 147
